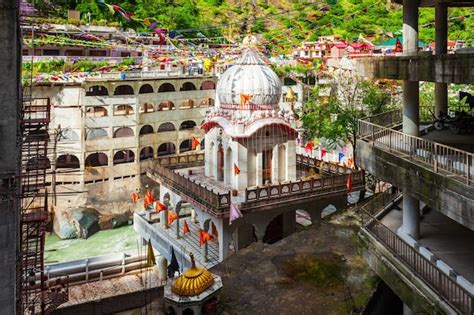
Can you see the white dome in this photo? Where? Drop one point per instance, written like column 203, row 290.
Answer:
column 249, row 85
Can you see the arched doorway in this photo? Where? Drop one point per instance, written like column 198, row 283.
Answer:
column 220, row 163
column 246, row 235
column 274, row 230
column 211, row 160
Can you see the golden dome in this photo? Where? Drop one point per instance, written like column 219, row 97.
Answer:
column 193, row 281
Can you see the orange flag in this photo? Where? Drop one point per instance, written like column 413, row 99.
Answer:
column 195, row 143
column 244, row 99
column 159, row 207
column 349, row 182
column 185, row 228
column 204, row 237
column 135, row 197
column 148, row 199
column 236, row 169
column 172, row 217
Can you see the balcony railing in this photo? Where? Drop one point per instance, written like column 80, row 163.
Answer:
column 312, row 186
column 216, row 203
column 440, row 158
column 327, row 167
column 445, row 286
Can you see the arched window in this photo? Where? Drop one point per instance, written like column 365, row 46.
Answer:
column 185, row 146
column 207, row 102
column 124, row 156
column 167, row 105
column 124, row 90
column 97, row 159
column 208, row 85
column 166, row 127
column 188, row 86
column 188, row 311
column 166, row 87
column 96, row 111
column 146, row 130
column 166, row 149
column 188, row 124
column 146, row 88
column 186, row 104
column 203, row 144
column 123, row 132
column 67, row 161
column 96, row 133
column 68, row 135
column 147, row 108
column 97, row 90
column 122, row 110
column 38, row 163
column 146, row 153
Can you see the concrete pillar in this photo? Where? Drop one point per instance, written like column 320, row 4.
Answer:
column 259, row 167
column 441, row 47
column 410, row 27
column 176, row 223
column 411, row 107
column 164, row 219
column 204, row 251
column 291, row 160
column 411, row 98
column 162, row 268
column 193, row 216
column 411, row 216
column 407, row 310
column 224, row 240
column 10, row 71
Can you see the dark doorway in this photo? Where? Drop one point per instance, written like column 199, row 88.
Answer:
column 274, row 231
column 267, row 166
column 220, row 163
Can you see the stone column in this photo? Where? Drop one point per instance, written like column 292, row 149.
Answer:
column 441, row 48
column 411, row 216
column 193, row 216
column 176, row 222
column 259, row 167
column 291, row 160
column 275, row 162
column 224, row 239
column 164, row 219
column 162, row 268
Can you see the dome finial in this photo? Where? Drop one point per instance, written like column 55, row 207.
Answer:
column 193, row 262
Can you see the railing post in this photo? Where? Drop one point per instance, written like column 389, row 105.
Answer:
column 373, row 134
column 87, row 269
column 435, row 158
column 468, row 169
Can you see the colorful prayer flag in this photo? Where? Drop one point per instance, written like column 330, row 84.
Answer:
column 234, row 213
column 172, row 217
column 341, row 155
column 195, row 143
column 204, row 237
column 185, row 228
column 150, row 257
column 236, row 169
column 323, row 152
column 135, row 197
column 309, row 147
column 160, row 207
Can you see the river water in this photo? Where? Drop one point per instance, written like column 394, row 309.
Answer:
column 123, row 239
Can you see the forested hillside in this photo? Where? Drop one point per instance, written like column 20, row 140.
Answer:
column 284, row 23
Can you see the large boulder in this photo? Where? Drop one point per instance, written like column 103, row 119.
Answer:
column 64, row 227
column 86, row 221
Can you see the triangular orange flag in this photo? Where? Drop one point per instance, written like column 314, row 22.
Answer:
column 135, row 197
column 204, row 237
column 349, row 182
column 159, row 207
column 236, row 169
column 172, row 217
column 185, row 228
column 195, row 143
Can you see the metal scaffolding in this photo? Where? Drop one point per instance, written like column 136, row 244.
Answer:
column 38, row 295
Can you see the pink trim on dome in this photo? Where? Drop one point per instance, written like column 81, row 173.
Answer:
column 249, row 106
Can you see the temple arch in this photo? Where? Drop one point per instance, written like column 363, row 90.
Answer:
column 167, row 126
column 97, row 159
column 145, row 88
column 208, row 85
column 185, row 145
column 123, row 110
column 96, row 133
column 146, row 153
column 124, row 156
column 67, row 161
column 96, row 111
column 187, row 124
column 147, row 129
column 147, row 108
column 124, row 90
column 166, row 87
column 167, row 148
column 188, row 86
column 123, row 132
column 97, row 90
column 166, row 105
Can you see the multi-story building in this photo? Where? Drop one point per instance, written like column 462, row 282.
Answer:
column 421, row 242
column 105, row 131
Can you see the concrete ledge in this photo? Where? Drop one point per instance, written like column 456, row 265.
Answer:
column 442, row 193
column 456, row 68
